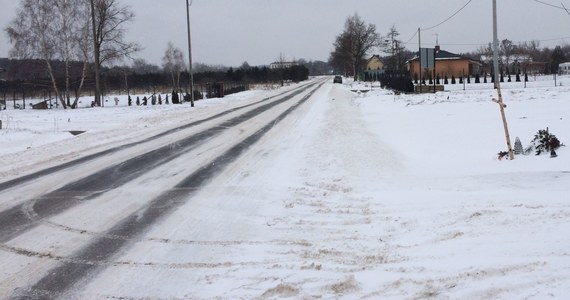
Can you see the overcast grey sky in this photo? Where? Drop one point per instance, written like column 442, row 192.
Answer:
column 230, row 32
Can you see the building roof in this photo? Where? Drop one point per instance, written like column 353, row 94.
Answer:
column 442, row 54
column 375, row 56
column 445, row 55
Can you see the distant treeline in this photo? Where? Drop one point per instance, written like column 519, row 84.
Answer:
column 31, row 76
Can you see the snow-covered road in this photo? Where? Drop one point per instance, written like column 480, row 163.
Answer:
column 350, row 195
column 175, row 171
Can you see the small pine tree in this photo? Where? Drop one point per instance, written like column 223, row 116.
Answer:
column 138, row 101
column 518, row 146
column 445, row 81
column 518, row 77
column 453, row 79
column 477, row 78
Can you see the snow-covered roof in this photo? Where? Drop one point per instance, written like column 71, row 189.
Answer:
column 512, row 58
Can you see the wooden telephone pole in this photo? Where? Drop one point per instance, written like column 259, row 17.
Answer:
column 97, row 54
column 190, row 75
column 497, row 82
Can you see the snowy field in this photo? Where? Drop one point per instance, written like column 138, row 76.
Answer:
column 354, row 195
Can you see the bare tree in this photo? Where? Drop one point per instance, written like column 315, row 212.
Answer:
column 531, row 49
column 340, row 59
column 52, row 30
column 394, row 47
column 355, row 42
column 281, row 67
column 141, row 66
column 507, row 49
column 173, row 63
column 73, row 40
column 109, row 45
column 245, row 66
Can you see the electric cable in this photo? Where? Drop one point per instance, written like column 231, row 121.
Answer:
column 548, row 4
column 441, row 23
column 444, row 21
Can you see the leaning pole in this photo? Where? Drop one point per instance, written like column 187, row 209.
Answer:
column 497, row 82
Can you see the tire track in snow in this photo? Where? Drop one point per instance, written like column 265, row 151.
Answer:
column 60, row 280
column 33, row 216
column 16, row 220
column 111, row 263
column 26, row 178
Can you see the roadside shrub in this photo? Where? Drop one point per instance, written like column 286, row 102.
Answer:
column 544, row 142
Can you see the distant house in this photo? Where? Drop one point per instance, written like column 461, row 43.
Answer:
column 564, row 68
column 446, row 64
column 517, row 63
column 374, row 68
column 282, row 64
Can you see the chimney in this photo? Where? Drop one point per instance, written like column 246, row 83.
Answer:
column 437, row 48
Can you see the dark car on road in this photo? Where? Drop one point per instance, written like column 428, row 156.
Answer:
column 337, row 79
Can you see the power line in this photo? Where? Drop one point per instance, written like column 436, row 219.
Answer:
column 548, row 4
column 439, row 24
column 485, row 44
column 413, row 36
column 563, row 7
column 444, row 21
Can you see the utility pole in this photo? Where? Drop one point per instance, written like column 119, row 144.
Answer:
column 190, row 75
column 497, row 82
column 97, row 58
column 420, row 58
